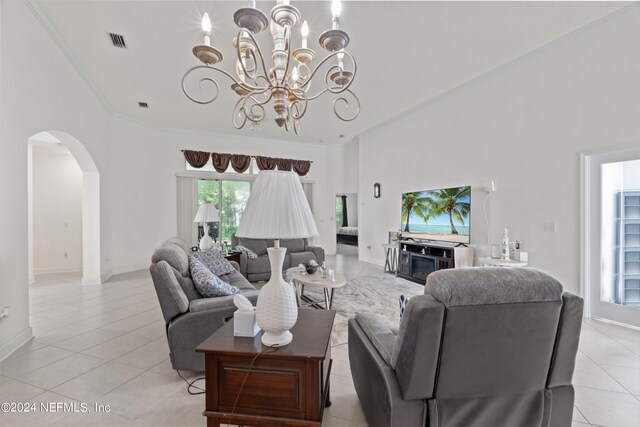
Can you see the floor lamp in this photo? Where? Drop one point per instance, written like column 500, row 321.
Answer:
column 277, row 209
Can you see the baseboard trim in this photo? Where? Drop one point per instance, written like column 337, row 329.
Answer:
column 613, row 322
column 8, row 348
column 122, row 270
column 37, row 271
column 91, row 281
column 374, row 261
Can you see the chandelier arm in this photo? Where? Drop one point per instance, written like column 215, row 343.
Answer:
column 236, row 112
column 252, row 115
column 325, row 59
column 346, row 103
column 317, row 95
column 257, row 47
column 300, row 100
column 250, row 88
column 287, row 45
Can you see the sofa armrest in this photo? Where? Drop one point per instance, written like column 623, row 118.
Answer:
column 235, row 265
column 317, row 251
column 243, row 264
column 379, row 333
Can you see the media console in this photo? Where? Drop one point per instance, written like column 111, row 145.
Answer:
column 417, row 259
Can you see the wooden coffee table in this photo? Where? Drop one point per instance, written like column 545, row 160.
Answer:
column 287, row 386
column 316, row 280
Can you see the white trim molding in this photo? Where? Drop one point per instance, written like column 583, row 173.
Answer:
column 8, row 348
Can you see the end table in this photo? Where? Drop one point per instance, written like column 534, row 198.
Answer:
column 250, row 384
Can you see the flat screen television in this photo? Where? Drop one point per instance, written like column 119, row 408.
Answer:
column 441, row 215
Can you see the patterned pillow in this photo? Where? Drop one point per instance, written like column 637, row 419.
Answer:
column 214, row 262
column 245, row 250
column 207, row 283
column 403, row 303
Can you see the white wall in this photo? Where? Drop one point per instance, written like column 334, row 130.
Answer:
column 57, row 211
column 523, row 126
column 144, row 164
column 352, row 209
column 34, row 86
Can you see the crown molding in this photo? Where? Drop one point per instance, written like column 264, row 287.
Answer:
column 48, row 26
column 218, row 135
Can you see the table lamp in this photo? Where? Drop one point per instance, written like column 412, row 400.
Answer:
column 207, row 213
column 277, row 209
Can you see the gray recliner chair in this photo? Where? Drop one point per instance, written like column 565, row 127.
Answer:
column 482, row 347
column 189, row 317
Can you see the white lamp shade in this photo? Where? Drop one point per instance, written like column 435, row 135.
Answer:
column 207, row 212
column 277, row 209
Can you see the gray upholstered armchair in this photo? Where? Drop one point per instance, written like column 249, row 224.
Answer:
column 189, row 317
column 482, row 347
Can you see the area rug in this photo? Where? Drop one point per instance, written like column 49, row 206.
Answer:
column 366, row 294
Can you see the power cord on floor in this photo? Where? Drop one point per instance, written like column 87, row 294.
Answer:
column 191, row 385
column 265, row 351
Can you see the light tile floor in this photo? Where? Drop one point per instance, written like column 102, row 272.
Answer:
column 106, row 345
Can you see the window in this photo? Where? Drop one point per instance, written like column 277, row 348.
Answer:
column 621, row 232
column 230, row 206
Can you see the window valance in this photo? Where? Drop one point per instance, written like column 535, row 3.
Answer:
column 241, row 162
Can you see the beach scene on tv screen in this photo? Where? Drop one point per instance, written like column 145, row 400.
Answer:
column 437, row 214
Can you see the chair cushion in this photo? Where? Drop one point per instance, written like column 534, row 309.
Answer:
column 180, row 243
column 174, row 255
column 204, row 304
column 301, row 258
column 215, row 262
column 259, row 265
column 238, row 280
column 248, row 252
column 259, row 246
column 492, row 285
column 292, row 245
column 207, row 283
column 382, row 336
column 168, row 278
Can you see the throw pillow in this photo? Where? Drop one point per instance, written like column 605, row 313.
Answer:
column 214, row 262
column 403, row 303
column 245, row 250
column 207, row 283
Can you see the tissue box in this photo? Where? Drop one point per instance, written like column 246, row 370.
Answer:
column 244, row 324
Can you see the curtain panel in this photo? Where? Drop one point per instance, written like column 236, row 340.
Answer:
column 220, row 161
column 196, row 159
column 266, row 163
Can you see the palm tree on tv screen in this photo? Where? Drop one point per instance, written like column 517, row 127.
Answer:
column 448, row 201
column 417, row 203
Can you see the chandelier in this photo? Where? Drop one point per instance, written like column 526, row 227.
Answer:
column 286, row 83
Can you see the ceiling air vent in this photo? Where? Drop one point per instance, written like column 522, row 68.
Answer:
column 118, row 40
column 143, row 105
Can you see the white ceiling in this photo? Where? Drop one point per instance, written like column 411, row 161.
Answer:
column 407, row 53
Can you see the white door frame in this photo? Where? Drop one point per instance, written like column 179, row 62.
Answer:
column 91, row 265
column 590, row 162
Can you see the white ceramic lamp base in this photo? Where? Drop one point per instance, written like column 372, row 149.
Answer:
column 277, row 309
column 206, row 242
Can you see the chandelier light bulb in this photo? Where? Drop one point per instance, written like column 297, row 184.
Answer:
column 305, row 34
column 206, row 28
column 336, row 8
column 341, row 60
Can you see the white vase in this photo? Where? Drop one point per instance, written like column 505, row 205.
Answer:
column 463, row 257
column 206, row 243
column 277, row 309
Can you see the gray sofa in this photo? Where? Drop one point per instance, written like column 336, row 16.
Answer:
column 481, row 347
column 298, row 252
column 190, row 319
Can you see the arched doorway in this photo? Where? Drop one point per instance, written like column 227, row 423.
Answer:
column 90, row 202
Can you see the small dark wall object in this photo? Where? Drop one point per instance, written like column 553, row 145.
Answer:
column 376, row 190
